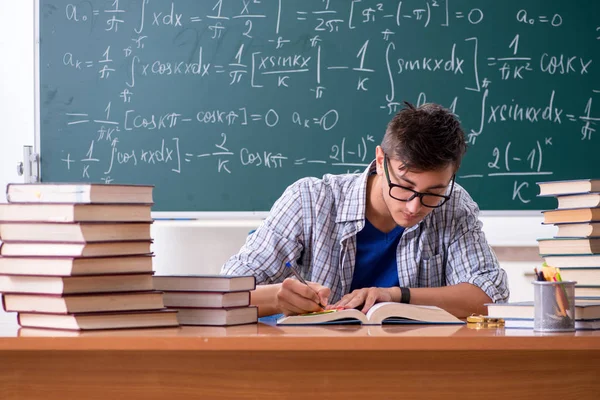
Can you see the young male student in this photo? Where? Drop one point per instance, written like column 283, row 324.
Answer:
column 401, row 231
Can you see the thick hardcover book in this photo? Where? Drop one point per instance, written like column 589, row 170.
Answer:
column 78, row 193
column 171, row 331
column 112, row 320
column 525, row 310
column 573, row 186
column 571, row 215
column 588, row 229
column 592, row 325
column 589, row 200
column 587, row 292
column 78, row 303
column 573, row 260
column 95, row 249
column 569, row 246
column 72, row 266
column 74, row 231
column 216, row 316
column 204, row 283
column 582, row 275
column 75, row 212
column 207, row 299
column 75, row 284
column 381, row 313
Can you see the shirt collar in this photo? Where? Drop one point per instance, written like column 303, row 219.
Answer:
column 355, row 201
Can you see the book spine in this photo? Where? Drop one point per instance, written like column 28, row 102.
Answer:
column 4, row 303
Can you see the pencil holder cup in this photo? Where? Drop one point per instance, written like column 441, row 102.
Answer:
column 554, row 306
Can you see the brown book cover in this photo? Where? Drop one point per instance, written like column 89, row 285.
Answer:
column 68, row 249
column 584, row 310
column 78, row 192
column 585, row 292
column 571, row 215
column 573, row 260
column 569, row 246
column 207, row 299
column 82, row 303
column 75, row 284
column 89, row 321
column 216, row 316
column 44, row 212
column 170, row 331
column 574, row 229
column 73, row 266
column 75, row 232
column 573, row 186
column 584, row 276
column 585, row 200
column 204, row 283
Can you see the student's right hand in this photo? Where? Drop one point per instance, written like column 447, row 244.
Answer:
column 294, row 297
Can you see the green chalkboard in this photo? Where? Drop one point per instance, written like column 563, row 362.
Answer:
column 221, row 104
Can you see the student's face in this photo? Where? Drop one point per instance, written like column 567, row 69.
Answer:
column 409, row 213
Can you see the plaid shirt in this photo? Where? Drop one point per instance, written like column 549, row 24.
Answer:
column 315, row 222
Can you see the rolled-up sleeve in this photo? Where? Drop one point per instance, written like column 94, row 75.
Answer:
column 470, row 257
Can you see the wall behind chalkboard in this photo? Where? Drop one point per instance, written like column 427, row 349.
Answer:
column 222, row 104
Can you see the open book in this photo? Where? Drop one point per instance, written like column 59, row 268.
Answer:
column 381, row 313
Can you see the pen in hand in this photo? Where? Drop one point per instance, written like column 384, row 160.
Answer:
column 299, row 277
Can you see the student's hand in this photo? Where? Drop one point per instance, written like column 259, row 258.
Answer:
column 294, row 297
column 366, row 297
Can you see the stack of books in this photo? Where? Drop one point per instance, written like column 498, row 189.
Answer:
column 215, row 300
column 521, row 314
column 575, row 248
column 78, row 256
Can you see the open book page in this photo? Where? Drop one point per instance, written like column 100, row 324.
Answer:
column 349, row 316
column 398, row 313
column 387, row 312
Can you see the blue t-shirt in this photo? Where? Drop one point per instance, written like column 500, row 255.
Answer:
column 376, row 257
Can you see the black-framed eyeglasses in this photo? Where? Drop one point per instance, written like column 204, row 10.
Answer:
column 402, row 193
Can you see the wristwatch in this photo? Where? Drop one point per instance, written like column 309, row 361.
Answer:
column 404, row 295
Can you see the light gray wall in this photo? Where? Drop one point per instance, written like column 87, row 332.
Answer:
column 16, row 86
column 16, row 92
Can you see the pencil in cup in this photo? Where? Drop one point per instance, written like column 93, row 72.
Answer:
column 301, row 279
column 561, row 300
column 554, row 306
column 563, row 293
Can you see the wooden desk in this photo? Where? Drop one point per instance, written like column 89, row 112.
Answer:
column 262, row 361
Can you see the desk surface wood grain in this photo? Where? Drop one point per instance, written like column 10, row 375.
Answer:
column 269, row 362
column 263, row 337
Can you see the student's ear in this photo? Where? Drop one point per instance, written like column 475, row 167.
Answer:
column 379, row 156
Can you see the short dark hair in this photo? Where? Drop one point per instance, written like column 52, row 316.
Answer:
column 425, row 138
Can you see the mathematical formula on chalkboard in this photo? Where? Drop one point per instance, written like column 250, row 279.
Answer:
column 197, row 96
